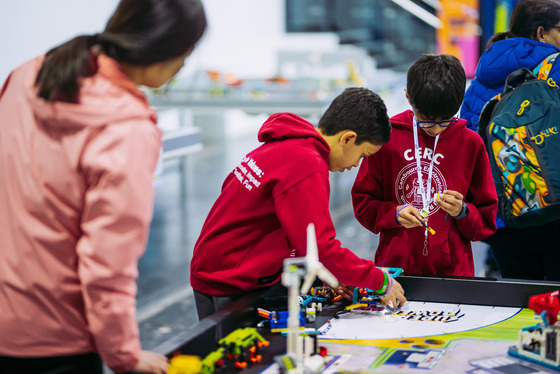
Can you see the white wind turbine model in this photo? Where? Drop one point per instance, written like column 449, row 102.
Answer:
column 314, row 268
column 296, row 269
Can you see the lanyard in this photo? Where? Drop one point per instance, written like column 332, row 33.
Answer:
column 424, row 192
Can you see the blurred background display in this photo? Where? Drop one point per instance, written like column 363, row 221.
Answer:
column 395, row 33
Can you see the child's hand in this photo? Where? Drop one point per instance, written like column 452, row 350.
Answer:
column 410, row 217
column 345, row 291
column 151, row 362
column 395, row 297
column 451, row 202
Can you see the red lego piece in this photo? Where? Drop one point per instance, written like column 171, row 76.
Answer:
column 546, row 302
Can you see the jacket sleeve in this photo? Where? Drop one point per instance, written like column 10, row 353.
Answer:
column 468, row 114
column 472, row 105
column 481, row 200
column 308, row 202
column 373, row 207
column 118, row 166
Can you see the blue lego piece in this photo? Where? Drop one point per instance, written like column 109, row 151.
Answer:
column 279, row 320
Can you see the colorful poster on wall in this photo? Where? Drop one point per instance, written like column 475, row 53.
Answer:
column 503, row 11
column 460, row 33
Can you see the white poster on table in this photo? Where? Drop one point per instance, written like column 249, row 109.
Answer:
column 414, row 319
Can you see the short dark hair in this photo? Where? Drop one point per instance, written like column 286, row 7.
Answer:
column 360, row 110
column 436, row 86
column 140, row 32
column 527, row 16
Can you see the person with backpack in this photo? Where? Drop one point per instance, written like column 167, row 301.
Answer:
column 79, row 144
column 429, row 190
column 531, row 43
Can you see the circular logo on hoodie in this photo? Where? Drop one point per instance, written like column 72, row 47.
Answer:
column 407, row 186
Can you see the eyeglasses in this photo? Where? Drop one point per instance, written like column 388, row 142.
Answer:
column 428, row 124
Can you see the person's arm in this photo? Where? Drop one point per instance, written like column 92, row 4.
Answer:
column 118, row 165
column 308, row 202
column 470, row 109
column 373, row 206
column 476, row 218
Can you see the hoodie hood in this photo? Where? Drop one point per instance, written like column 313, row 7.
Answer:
column 508, row 55
column 94, row 108
column 405, row 119
column 282, row 126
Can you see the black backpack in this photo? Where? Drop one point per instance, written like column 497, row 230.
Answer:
column 521, row 130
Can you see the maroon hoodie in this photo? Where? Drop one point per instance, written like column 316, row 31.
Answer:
column 388, row 179
column 261, row 216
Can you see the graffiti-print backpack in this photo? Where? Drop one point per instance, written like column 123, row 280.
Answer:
column 520, row 128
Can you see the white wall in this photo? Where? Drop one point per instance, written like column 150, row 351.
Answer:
column 32, row 27
column 242, row 38
column 244, row 35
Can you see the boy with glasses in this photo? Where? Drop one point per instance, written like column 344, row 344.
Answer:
column 429, row 190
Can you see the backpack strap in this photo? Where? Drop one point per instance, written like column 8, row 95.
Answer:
column 517, row 77
column 484, row 119
column 543, row 69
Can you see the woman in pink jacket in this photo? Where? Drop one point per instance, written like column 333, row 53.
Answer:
column 78, row 148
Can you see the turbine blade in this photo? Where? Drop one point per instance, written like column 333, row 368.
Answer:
column 326, row 276
column 312, row 250
column 307, row 282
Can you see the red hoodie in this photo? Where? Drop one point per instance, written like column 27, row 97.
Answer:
column 387, row 179
column 261, row 216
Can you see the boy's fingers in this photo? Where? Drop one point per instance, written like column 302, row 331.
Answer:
column 453, row 194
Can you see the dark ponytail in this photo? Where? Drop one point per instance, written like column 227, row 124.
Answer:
column 140, row 32
column 499, row 36
column 63, row 66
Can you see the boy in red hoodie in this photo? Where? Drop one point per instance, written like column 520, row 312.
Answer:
column 268, row 200
column 434, row 172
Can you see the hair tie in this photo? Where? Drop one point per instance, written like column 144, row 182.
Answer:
column 96, row 39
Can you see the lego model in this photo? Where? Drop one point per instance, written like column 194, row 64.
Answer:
column 212, row 360
column 241, row 345
column 185, row 364
column 364, row 296
column 310, row 306
column 324, row 294
column 279, row 319
column 301, row 354
column 369, row 297
column 313, row 302
column 366, row 300
column 541, row 343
